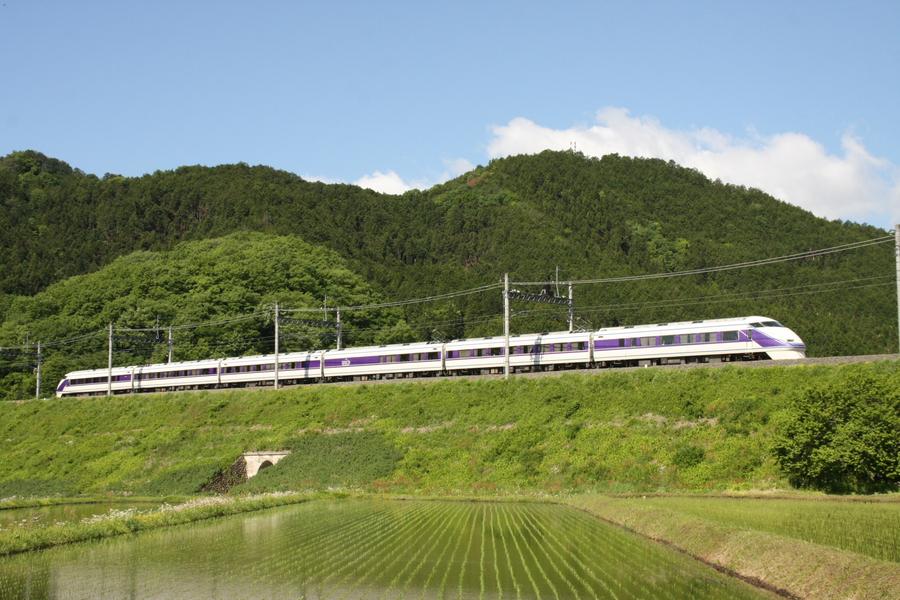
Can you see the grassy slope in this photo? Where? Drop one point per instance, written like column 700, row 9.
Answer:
column 802, row 569
column 614, row 431
column 870, row 528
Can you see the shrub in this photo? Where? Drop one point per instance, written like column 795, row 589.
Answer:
column 843, row 437
column 688, row 456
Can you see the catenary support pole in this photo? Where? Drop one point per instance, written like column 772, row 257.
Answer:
column 37, row 385
column 338, row 328
column 571, row 310
column 897, row 252
column 109, row 363
column 171, row 343
column 277, row 319
column 506, row 324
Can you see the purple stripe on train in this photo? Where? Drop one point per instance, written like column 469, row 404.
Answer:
column 765, row 341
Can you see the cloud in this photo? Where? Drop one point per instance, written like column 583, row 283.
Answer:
column 392, row 183
column 386, row 183
column 790, row 166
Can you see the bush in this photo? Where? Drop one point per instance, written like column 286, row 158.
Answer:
column 843, row 438
column 688, row 456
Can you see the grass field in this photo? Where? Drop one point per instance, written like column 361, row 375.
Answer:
column 870, row 528
column 764, row 539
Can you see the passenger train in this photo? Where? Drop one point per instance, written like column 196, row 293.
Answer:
column 716, row 340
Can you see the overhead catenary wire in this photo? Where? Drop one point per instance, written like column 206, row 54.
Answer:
column 263, row 314
column 435, row 298
column 731, row 267
column 719, row 298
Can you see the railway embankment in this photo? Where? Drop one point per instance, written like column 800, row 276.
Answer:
column 644, row 430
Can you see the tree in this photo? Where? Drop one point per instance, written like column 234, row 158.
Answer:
column 843, row 438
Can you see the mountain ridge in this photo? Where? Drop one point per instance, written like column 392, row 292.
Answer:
column 525, row 215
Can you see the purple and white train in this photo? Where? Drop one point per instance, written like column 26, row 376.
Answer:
column 716, row 340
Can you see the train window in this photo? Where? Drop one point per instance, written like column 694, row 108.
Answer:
column 559, row 348
column 707, row 337
column 635, row 341
column 648, row 341
column 771, row 324
column 404, row 358
column 582, row 345
column 730, row 336
column 668, row 340
column 621, row 342
column 547, row 348
column 496, row 351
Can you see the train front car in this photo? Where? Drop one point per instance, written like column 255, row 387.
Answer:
column 778, row 342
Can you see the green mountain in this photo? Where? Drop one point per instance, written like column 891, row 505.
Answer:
column 526, row 215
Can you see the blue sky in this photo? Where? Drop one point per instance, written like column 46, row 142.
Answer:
column 800, row 99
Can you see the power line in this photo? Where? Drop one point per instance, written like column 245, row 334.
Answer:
column 435, row 298
column 727, row 296
column 762, row 295
column 731, row 267
column 477, row 290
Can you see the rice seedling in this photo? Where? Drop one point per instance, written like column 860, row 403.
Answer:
column 372, row 549
column 870, row 528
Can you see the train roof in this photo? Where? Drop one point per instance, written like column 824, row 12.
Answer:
column 700, row 323
column 418, row 346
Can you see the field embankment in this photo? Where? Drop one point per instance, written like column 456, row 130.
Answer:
column 734, row 535
column 15, row 540
column 637, row 431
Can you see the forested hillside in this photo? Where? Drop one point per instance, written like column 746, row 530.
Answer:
column 526, row 215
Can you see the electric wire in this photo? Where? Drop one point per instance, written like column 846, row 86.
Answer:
column 263, row 314
column 741, row 265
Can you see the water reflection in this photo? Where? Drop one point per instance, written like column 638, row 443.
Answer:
column 371, row 549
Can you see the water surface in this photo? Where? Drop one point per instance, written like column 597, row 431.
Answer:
column 373, row 549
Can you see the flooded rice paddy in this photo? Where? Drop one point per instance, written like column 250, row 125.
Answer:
column 373, row 549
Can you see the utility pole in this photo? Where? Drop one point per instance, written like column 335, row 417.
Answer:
column 571, row 310
column 506, row 324
column 338, row 327
column 897, row 252
column 171, row 343
column 276, row 345
column 557, row 280
column 37, row 386
column 109, row 364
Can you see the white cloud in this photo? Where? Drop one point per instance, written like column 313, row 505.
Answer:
column 454, row 168
column 386, row 183
column 392, row 183
column 790, row 166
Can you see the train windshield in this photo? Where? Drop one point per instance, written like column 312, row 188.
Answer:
column 772, row 324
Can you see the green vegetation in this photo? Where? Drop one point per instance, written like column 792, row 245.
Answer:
column 844, row 437
column 209, row 280
column 870, row 528
column 354, row 458
column 119, row 522
column 383, row 549
column 740, row 545
column 525, row 215
column 640, row 430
